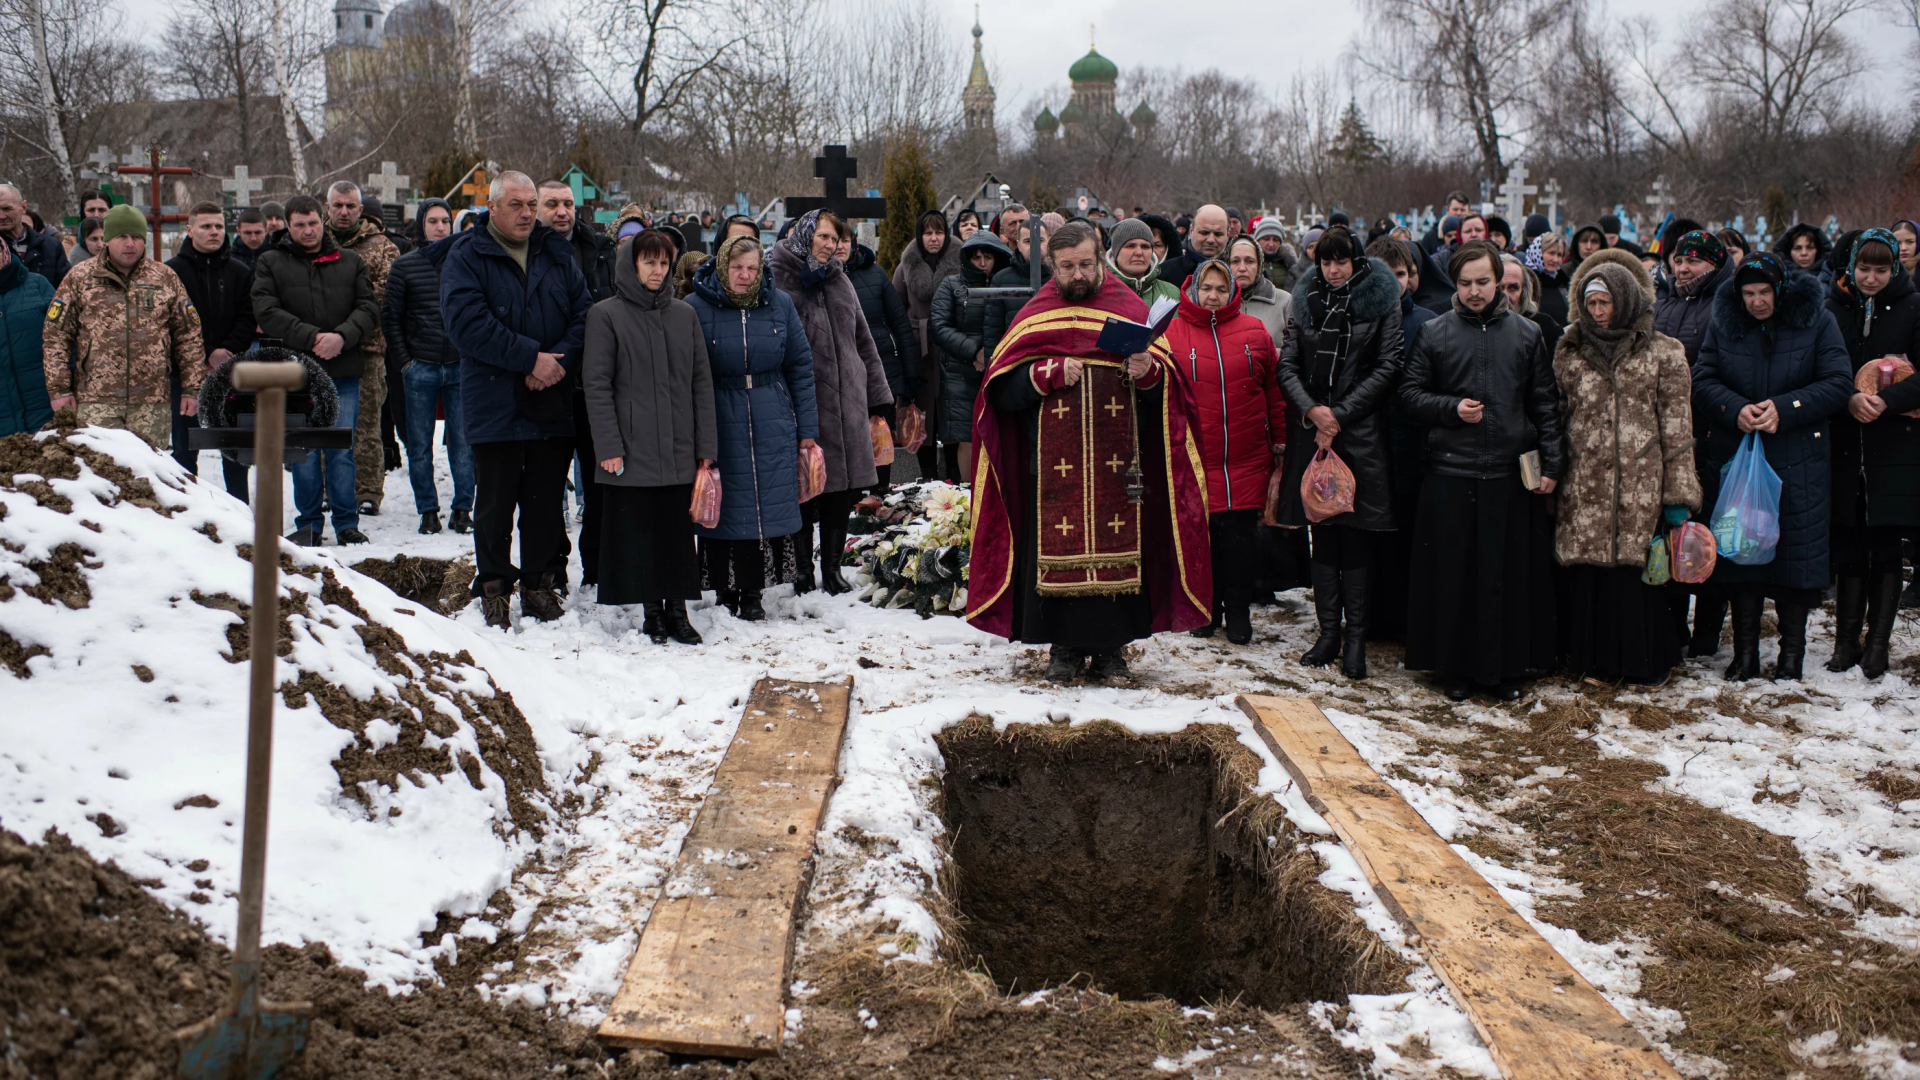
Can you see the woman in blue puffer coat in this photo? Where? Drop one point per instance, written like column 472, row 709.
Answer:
column 764, row 406
column 1773, row 361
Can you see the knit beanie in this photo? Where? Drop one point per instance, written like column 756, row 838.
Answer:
column 1610, row 224
column 1270, row 227
column 1129, row 229
column 1701, row 245
column 1764, row 268
column 123, row 220
column 1536, row 224
column 1312, row 237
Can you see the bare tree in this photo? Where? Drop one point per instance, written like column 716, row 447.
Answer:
column 663, row 48
column 1465, row 60
column 877, row 43
column 61, row 77
column 287, row 39
column 1780, row 63
column 49, row 106
column 220, row 49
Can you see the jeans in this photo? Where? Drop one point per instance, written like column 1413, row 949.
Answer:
column 339, row 473
column 429, row 388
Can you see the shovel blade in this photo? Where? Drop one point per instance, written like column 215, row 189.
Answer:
column 253, row 1046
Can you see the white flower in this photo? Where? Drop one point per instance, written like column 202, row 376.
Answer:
column 945, row 500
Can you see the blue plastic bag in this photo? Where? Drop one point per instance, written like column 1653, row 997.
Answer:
column 1746, row 520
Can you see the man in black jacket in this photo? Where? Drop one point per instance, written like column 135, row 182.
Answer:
column 249, row 236
column 217, row 283
column 39, row 252
column 595, row 255
column 1206, row 240
column 429, row 370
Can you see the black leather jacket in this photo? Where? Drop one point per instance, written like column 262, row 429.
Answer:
column 1500, row 360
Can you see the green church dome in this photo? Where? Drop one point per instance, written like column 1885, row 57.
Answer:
column 1045, row 121
column 1142, row 115
column 1093, row 68
column 1073, row 113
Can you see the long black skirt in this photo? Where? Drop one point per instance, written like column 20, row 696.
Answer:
column 1480, row 596
column 1617, row 626
column 646, row 545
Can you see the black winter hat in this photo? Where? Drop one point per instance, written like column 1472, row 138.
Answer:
column 1610, row 223
column 1763, row 268
column 1536, row 225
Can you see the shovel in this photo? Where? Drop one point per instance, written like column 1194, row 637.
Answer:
column 253, row 1038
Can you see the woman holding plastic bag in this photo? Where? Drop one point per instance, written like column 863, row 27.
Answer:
column 1630, row 480
column 1773, row 362
column 763, row 401
column 1480, row 596
column 650, row 400
column 1876, row 448
column 1339, row 363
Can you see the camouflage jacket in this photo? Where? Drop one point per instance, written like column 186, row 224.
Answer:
column 116, row 339
column 378, row 253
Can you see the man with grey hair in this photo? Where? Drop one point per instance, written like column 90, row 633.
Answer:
column 515, row 304
column 366, row 238
column 1207, row 239
column 39, row 252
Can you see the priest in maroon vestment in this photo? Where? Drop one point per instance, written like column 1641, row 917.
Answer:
column 1089, row 498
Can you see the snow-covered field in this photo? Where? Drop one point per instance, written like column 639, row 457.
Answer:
column 629, row 735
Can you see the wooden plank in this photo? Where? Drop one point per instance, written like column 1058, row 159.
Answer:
column 710, row 974
column 1533, row 1010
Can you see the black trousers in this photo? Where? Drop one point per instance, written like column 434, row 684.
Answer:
column 594, row 497
column 1231, row 535
column 648, row 545
column 830, row 508
column 1342, row 547
column 1859, row 550
column 741, row 562
column 529, row 477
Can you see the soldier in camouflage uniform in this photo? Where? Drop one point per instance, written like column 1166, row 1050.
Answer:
column 366, row 238
column 118, row 327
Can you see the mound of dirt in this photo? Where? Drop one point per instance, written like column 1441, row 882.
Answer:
column 442, row 585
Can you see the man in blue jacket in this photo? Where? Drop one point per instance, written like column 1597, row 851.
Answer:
column 516, row 309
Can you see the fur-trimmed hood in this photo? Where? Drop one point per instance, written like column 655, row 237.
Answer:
column 219, row 386
column 1801, row 302
column 1375, row 295
column 1618, row 258
column 1822, row 244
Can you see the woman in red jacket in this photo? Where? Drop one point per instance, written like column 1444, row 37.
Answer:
column 1229, row 357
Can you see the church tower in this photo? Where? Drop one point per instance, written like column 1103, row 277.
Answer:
column 1093, row 77
column 353, row 60
column 978, row 97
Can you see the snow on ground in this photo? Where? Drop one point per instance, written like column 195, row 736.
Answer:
column 636, row 730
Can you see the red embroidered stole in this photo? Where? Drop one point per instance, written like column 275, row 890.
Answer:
column 1089, row 534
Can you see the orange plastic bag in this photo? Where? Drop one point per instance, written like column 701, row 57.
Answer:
column 813, row 472
column 1691, row 553
column 1276, row 483
column 882, row 437
column 1327, row 487
column 706, row 497
column 913, row 429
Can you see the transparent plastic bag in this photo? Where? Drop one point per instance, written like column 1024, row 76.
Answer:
column 1690, row 549
column 1276, row 483
column 882, row 437
column 1876, row 375
column 1659, row 570
column 706, row 497
column 813, row 472
column 1746, row 520
column 1327, row 487
column 913, row 429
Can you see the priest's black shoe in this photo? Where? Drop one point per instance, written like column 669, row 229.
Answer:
column 1063, row 664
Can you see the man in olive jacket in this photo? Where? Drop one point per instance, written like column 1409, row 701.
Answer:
column 312, row 296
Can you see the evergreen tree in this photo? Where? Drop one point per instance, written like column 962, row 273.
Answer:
column 907, row 185
column 1355, row 144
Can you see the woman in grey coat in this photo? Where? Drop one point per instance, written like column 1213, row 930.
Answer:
column 650, row 402
column 850, row 383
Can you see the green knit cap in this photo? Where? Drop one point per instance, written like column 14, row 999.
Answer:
column 123, row 220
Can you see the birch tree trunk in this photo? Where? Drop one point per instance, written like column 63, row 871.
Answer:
column 465, row 125
column 50, row 110
column 289, row 116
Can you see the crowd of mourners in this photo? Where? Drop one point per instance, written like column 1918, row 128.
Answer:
column 1521, row 416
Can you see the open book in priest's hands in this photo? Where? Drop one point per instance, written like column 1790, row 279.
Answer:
column 1124, row 337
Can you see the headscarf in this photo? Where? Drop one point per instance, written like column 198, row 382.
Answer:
column 1763, row 268
column 799, row 241
column 1701, row 244
column 1329, row 306
column 1630, row 309
column 723, row 259
column 1533, row 258
column 1868, row 308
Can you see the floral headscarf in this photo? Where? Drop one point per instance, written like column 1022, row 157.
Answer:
column 799, row 241
column 1533, row 259
column 723, row 259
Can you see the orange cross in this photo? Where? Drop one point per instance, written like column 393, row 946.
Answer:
column 1065, row 527
column 1062, row 409
column 1063, row 468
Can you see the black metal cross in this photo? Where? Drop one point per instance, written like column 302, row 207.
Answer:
column 835, row 168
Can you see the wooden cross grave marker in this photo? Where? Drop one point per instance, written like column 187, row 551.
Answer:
column 153, row 170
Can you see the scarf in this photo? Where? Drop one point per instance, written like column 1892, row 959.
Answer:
column 721, row 258
column 800, row 242
column 516, row 250
column 1331, row 310
column 1630, row 309
column 1533, row 259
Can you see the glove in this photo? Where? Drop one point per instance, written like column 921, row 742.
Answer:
column 1675, row 516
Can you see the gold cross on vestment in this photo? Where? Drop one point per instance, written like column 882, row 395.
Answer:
column 1061, row 410
column 1063, row 468
column 1114, row 463
column 1114, row 408
column 1065, row 527
column 1046, row 369
column 1116, row 524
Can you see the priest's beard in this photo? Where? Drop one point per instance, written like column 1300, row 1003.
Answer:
column 1078, row 289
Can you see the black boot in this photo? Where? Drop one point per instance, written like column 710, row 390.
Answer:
column 1746, row 637
column 461, row 522
column 1849, row 616
column 494, row 598
column 679, row 627
column 1793, row 641
column 833, row 555
column 1353, row 597
column 653, row 626
column 1709, row 614
column 1239, row 623
column 1211, row 628
column 1063, row 664
column 751, row 610
column 803, row 560
column 540, row 598
column 1326, row 607
column 429, row 523
column 1883, row 608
